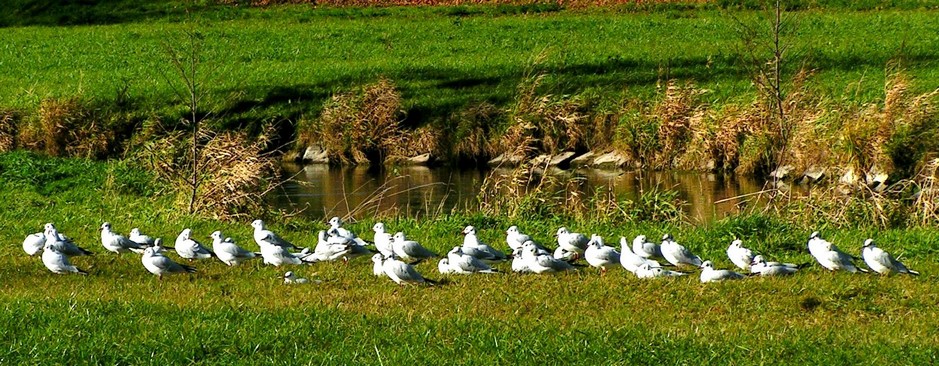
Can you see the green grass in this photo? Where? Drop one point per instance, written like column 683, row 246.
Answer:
column 281, row 63
column 120, row 314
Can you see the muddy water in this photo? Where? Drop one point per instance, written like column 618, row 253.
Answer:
column 323, row 191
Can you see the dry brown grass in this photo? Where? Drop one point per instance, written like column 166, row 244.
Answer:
column 67, row 127
column 359, row 127
column 8, row 124
column 676, row 113
column 236, row 173
column 471, row 141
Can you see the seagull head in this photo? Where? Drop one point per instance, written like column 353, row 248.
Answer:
column 156, row 244
column 186, row 234
column 456, row 250
column 106, row 226
column 135, row 232
column 707, row 264
column 150, row 251
column 257, row 224
column 512, row 230
column 377, row 258
column 815, row 235
column 399, row 236
column 758, row 259
column 869, row 243
column 288, row 275
column 335, row 221
column 562, row 231
column 667, row 237
column 737, row 243
column 378, row 228
column 49, row 226
column 49, row 247
column 641, row 239
column 217, row 235
column 469, row 230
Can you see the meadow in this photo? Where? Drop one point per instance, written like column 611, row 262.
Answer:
column 120, row 314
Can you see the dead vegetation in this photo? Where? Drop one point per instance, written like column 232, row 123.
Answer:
column 67, row 127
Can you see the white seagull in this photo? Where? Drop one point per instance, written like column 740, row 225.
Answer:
column 443, row 266
column 829, row 256
column 189, row 248
column 263, row 237
column 600, row 255
column 34, row 243
column 473, row 247
column 514, row 238
column 62, row 243
column 137, row 237
column 377, row 260
column 273, row 248
column 292, row 279
column 158, row 264
column 646, row 270
column 764, row 268
column 519, row 264
column 677, row 254
column 409, row 250
column 646, row 249
column 57, row 262
column 709, row 274
column 336, row 229
column 881, row 261
column 382, row 240
column 543, row 263
column 118, row 243
column 572, row 242
column 402, row 273
column 461, row 263
column 740, row 255
column 630, row 261
column 228, row 252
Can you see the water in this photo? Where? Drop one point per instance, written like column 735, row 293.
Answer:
column 322, row 191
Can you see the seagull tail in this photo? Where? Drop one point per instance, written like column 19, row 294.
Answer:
column 83, row 273
column 189, row 269
column 912, row 272
column 803, row 265
column 414, row 263
column 85, row 251
column 431, row 282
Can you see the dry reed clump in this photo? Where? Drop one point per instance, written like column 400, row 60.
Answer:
column 359, row 127
column 676, row 113
column 67, row 127
column 471, row 135
column 925, row 206
column 423, row 140
column 8, row 124
column 544, row 123
column 234, row 171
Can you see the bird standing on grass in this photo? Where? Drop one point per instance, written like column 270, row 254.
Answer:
column 462, row 263
column 475, row 248
column 117, row 243
column 829, row 256
column 409, row 250
column 157, row 263
column 137, row 237
column 63, row 244
column 57, row 262
column 228, row 252
column 515, row 238
column 382, row 240
column 189, row 248
column 336, row 229
column 600, row 255
column 646, row 249
column 539, row 262
column 881, row 261
column 573, row 244
column 631, row 261
column 764, row 268
column 273, row 248
column 739, row 255
column 677, row 254
column 403, row 273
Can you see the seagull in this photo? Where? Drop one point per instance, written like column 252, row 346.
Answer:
column 519, row 264
column 479, row 250
column 34, row 243
column 402, row 273
column 409, row 250
column 189, row 248
column 462, row 263
column 740, row 255
column 881, row 261
column 646, row 270
column 514, row 238
column 600, row 255
column 118, row 243
column 291, row 279
column 764, row 268
column 377, row 260
column 630, row 261
column 543, row 263
column 62, row 243
column 328, row 249
column 676, row 254
column 443, row 266
column 158, row 264
column 709, row 274
column 352, row 247
column 57, row 262
column 382, row 240
column 336, row 229
column 228, row 252
column 572, row 242
column 264, row 237
column 136, row 237
column 829, row 256
column 646, row 249
column 564, row 255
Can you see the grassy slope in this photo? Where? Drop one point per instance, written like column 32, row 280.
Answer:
column 122, row 314
column 268, row 60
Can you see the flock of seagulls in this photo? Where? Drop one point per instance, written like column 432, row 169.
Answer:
column 395, row 255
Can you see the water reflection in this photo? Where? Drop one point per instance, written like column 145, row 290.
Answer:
column 330, row 191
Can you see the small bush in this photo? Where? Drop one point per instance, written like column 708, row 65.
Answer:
column 8, row 122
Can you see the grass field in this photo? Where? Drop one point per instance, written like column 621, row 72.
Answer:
column 281, row 63
column 120, row 314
